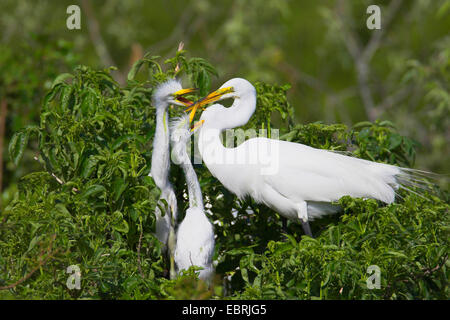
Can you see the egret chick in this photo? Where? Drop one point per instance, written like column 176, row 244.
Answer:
column 195, row 236
column 167, row 93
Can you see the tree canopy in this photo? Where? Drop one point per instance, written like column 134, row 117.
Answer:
column 77, row 123
column 92, row 205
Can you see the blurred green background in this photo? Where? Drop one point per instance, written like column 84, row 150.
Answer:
column 340, row 71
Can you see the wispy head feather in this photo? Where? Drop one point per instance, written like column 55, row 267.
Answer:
column 165, row 90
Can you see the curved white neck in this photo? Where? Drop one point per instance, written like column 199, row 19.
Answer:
column 193, row 185
column 240, row 112
column 209, row 143
column 161, row 150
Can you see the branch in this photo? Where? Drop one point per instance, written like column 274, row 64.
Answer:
column 42, row 262
column 97, row 40
column 54, row 176
column 178, row 30
column 187, row 26
column 351, row 40
column 428, row 271
column 362, row 72
column 139, row 253
column 393, row 99
column 362, row 55
column 334, row 98
column 377, row 35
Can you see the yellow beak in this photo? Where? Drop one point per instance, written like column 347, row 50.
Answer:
column 210, row 98
column 198, row 124
column 184, row 91
column 179, row 96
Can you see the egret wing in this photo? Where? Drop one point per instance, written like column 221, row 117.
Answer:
column 306, row 173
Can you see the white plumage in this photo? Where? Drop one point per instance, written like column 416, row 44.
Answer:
column 165, row 94
column 195, row 236
column 160, row 166
column 296, row 180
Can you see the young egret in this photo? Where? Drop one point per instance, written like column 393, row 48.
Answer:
column 296, row 180
column 195, row 236
column 167, row 93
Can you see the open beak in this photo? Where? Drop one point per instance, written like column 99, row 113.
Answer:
column 210, row 98
column 197, row 125
column 179, row 96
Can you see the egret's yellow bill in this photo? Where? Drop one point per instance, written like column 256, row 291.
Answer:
column 179, row 96
column 210, row 98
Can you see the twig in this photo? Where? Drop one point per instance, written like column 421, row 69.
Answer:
column 57, row 179
column 139, row 253
column 428, row 271
column 50, row 253
column 54, row 176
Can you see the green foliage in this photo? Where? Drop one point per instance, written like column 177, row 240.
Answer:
column 407, row 241
column 27, row 70
column 270, row 99
column 378, row 141
column 318, row 135
column 297, row 42
column 95, row 195
column 92, row 205
column 198, row 70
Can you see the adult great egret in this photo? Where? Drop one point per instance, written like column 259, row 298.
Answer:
column 304, row 180
column 195, row 235
column 167, row 93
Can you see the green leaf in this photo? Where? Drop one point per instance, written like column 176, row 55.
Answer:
column 394, row 141
column 362, row 124
column 386, row 123
column 397, row 254
column 93, row 190
column 88, row 167
column 62, row 209
column 33, row 242
column 17, row 146
column 119, row 187
column 61, row 79
column 122, row 227
column 119, row 141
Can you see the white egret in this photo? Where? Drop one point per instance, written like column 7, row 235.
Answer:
column 297, row 181
column 169, row 92
column 195, row 235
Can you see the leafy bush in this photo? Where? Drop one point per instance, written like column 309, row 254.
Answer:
column 407, row 241
column 92, row 205
column 27, row 70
